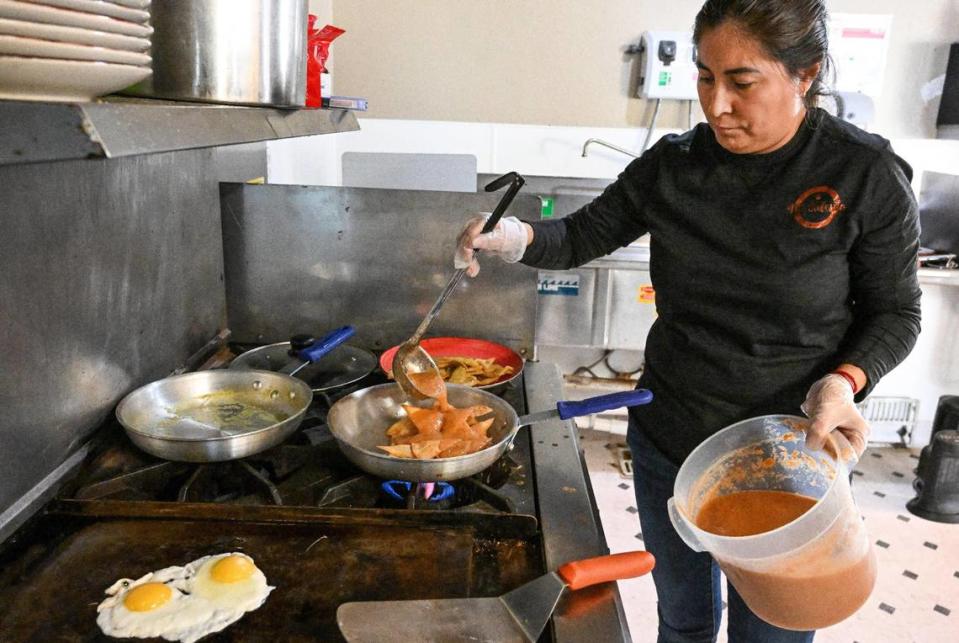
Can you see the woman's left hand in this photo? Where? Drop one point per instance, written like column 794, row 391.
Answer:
column 830, row 405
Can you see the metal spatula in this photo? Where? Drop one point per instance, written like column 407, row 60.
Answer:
column 519, row 615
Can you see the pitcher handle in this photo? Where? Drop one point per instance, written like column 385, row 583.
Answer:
column 681, row 525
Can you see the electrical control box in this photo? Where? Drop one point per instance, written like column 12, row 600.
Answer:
column 669, row 66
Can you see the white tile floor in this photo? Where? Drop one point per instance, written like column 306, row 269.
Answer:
column 916, row 599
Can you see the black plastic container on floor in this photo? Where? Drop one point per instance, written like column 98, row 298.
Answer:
column 937, row 481
column 947, row 415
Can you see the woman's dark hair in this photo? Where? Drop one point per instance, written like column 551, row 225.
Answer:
column 794, row 32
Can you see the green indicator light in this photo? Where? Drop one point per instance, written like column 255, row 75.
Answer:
column 546, row 212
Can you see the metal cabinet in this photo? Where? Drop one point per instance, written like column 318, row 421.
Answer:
column 595, row 307
column 566, row 307
column 631, row 310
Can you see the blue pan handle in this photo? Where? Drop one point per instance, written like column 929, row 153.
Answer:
column 603, row 403
column 322, row 346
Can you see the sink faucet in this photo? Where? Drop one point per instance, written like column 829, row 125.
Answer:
column 619, row 149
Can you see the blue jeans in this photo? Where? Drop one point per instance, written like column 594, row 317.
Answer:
column 688, row 582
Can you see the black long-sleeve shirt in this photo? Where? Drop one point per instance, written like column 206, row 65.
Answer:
column 769, row 270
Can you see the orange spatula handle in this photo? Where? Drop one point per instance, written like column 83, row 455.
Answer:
column 583, row 573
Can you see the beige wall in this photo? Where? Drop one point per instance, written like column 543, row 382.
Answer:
column 561, row 62
column 323, row 10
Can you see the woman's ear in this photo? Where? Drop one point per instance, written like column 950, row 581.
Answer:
column 807, row 77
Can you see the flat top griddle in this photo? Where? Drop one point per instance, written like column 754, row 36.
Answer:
column 49, row 592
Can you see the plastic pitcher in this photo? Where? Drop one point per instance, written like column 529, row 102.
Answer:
column 808, row 574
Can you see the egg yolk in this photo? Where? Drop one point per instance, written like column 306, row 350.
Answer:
column 146, row 597
column 232, row 569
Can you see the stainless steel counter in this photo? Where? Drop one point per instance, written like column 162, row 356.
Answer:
column 568, row 515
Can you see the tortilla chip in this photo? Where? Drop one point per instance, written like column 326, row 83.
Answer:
column 428, row 421
column 480, row 410
column 455, row 448
column 398, row 451
column 480, row 428
column 401, row 429
column 426, row 450
column 471, row 371
column 442, row 430
column 454, row 416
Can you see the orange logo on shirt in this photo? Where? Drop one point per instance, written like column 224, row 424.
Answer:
column 817, row 207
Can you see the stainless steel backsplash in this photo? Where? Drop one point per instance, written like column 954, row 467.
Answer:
column 110, row 276
column 308, row 259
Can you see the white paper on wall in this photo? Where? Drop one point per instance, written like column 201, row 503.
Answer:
column 859, row 43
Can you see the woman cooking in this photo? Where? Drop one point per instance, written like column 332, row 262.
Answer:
column 783, row 256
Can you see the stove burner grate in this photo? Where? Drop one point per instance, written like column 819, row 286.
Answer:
column 197, row 488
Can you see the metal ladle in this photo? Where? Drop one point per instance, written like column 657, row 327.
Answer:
column 410, row 357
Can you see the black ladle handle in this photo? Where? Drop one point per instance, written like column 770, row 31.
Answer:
column 515, row 182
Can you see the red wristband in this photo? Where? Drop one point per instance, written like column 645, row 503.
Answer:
column 849, row 378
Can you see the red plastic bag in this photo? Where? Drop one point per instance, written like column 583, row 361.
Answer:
column 317, row 51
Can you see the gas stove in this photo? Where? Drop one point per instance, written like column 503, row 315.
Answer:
column 308, row 470
column 322, row 531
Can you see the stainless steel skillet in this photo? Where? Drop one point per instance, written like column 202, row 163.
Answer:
column 216, row 415
column 359, row 422
column 210, row 416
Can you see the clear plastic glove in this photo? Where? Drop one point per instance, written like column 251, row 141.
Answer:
column 830, row 405
column 508, row 241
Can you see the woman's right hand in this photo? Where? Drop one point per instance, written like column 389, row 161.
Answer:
column 508, row 241
column 830, row 406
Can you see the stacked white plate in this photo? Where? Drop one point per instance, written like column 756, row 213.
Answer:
column 72, row 50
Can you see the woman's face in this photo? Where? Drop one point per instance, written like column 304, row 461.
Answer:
column 751, row 102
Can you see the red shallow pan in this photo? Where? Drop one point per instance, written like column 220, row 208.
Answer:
column 465, row 347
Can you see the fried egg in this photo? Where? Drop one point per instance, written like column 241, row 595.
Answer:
column 232, row 583
column 154, row 605
column 184, row 603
